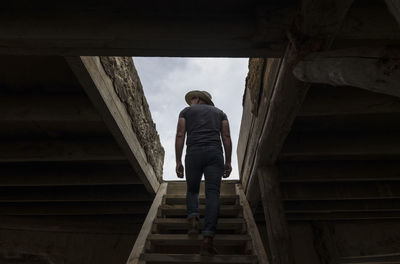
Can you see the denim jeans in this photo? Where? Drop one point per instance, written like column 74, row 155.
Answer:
column 210, row 161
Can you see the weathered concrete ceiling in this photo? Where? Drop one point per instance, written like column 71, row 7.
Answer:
column 173, row 28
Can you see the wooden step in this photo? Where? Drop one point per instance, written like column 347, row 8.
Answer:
column 181, row 223
column 181, row 199
column 180, row 210
column 374, row 259
column 185, row 240
column 195, row 258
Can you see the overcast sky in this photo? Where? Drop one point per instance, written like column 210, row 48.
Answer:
column 166, row 81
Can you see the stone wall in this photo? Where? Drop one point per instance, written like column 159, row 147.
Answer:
column 128, row 87
column 254, row 81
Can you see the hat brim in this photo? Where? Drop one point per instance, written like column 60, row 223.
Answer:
column 199, row 94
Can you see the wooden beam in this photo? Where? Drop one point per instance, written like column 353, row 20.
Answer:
column 24, row 257
column 324, row 241
column 369, row 21
column 280, row 245
column 146, row 32
column 339, row 171
column 67, row 174
column 340, row 190
column 94, row 224
column 101, row 91
column 384, row 258
column 373, row 69
column 37, row 75
column 348, row 123
column 252, row 229
column 240, row 29
column 114, row 193
column 43, row 116
column 57, row 150
column 140, row 242
column 344, row 216
column 261, row 84
column 394, row 8
column 368, row 205
column 341, row 146
column 47, row 108
column 75, row 208
column 68, row 130
column 326, row 100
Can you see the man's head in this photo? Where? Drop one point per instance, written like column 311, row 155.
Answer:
column 198, row 97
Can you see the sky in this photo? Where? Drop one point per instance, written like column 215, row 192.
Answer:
column 165, row 82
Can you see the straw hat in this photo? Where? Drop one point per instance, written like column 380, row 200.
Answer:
column 205, row 96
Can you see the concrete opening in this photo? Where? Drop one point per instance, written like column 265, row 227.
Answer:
column 165, row 82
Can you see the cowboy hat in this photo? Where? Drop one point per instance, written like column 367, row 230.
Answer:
column 205, row 96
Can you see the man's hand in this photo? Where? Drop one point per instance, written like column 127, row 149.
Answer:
column 227, row 170
column 179, row 170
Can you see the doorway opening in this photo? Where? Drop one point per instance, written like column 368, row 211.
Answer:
column 165, row 82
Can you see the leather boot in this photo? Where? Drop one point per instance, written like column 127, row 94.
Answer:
column 207, row 248
column 193, row 226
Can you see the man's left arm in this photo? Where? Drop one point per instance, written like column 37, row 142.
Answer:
column 227, row 142
column 179, row 142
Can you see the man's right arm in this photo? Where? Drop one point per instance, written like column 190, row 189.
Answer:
column 227, row 142
column 179, row 142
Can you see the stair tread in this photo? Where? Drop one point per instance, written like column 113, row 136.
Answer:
column 200, row 196
column 186, row 240
column 196, row 258
column 172, row 220
column 183, row 206
column 186, row 237
column 172, row 224
column 181, row 199
column 180, row 210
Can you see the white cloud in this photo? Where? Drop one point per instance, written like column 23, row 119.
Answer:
column 166, row 81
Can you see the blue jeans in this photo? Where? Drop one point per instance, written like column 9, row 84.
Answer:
column 210, row 161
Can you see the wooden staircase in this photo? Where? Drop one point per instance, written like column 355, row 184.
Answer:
column 164, row 239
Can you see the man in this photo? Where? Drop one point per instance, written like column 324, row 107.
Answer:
column 205, row 125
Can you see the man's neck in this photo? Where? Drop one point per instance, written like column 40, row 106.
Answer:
column 198, row 104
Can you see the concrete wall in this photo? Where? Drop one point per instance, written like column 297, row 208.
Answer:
column 127, row 85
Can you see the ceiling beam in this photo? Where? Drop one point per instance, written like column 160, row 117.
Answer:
column 392, row 205
column 74, row 208
column 339, row 171
column 326, row 100
column 93, row 224
column 373, row 69
column 343, row 216
column 103, row 193
column 47, row 108
column 67, row 174
column 340, row 191
column 59, row 150
column 341, row 146
column 394, row 8
column 239, row 29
